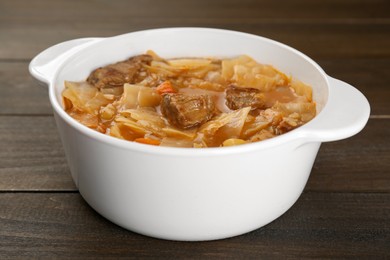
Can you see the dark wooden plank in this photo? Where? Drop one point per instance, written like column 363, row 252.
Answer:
column 31, row 155
column 43, row 216
column 370, row 76
column 320, row 29
column 294, row 10
column 316, row 40
column 21, row 94
column 360, row 163
column 319, row 225
column 32, row 158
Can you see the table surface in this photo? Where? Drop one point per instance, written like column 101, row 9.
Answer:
column 344, row 210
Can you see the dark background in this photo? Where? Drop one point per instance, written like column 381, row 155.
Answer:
column 345, row 208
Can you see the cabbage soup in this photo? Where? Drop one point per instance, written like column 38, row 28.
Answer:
column 189, row 102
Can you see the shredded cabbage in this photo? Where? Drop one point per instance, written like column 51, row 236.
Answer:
column 133, row 111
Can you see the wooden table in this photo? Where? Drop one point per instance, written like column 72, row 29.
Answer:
column 344, row 211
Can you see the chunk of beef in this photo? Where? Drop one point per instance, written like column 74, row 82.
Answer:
column 186, row 111
column 237, row 98
column 115, row 75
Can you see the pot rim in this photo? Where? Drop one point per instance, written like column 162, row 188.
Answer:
column 300, row 135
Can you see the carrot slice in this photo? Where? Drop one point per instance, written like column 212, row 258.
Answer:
column 165, row 87
column 147, row 141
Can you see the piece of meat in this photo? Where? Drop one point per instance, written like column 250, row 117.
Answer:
column 237, row 98
column 117, row 74
column 186, row 111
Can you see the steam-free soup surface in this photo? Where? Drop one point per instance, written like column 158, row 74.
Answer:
column 189, row 102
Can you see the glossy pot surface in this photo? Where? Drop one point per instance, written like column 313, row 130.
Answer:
column 185, row 193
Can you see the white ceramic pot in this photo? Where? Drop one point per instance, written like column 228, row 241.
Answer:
column 185, row 193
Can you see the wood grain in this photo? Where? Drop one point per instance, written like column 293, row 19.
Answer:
column 344, row 211
column 295, row 10
column 315, row 40
column 21, row 94
column 31, row 155
column 319, row 29
column 319, row 225
column 370, row 76
column 360, row 163
column 33, row 159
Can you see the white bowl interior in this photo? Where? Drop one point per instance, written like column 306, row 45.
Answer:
column 195, row 42
column 210, row 200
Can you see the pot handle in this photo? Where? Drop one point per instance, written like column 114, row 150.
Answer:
column 345, row 114
column 45, row 64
